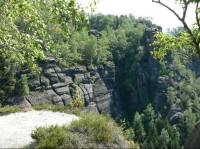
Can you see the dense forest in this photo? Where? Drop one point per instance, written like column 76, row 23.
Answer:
column 159, row 99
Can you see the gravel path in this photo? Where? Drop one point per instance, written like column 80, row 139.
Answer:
column 16, row 128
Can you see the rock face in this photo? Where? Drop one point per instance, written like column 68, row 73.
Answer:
column 59, row 86
column 194, row 137
column 161, row 95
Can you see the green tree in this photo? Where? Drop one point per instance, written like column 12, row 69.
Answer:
column 149, row 114
column 152, row 136
column 174, row 135
column 138, row 128
column 27, row 32
column 190, row 120
column 22, row 88
column 164, row 139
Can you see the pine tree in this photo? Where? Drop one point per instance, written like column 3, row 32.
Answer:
column 164, row 139
column 138, row 128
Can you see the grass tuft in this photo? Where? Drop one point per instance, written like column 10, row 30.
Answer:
column 9, row 109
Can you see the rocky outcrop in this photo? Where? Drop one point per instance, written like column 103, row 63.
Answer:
column 59, row 86
column 18, row 101
column 95, row 33
column 160, row 99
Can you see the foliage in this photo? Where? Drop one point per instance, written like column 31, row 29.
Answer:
column 128, row 131
column 29, row 29
column 50, row 137
column 84, row 49
column 22, row 88
column 192, row 35
column 91, row 130
column 138, row 128
column 97, row 127
column 77, row 103
column 154, row 132
column 165, row 42
column 184, row 48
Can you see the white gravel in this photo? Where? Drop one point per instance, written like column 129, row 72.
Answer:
column 16, row 128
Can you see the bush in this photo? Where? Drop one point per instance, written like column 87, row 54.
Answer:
column 90, row 131
column 97, row 127
column 51, row 137
column 77, row 103
column 22, row 86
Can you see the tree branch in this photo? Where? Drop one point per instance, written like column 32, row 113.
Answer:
column 197, row 17
column 194, row 40
column 184, row 10
column 159, row 2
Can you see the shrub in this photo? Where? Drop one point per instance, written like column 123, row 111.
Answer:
column 97, row 127
column 22, row 86
column 90, row 131
column 51, row 137
column 77, row 103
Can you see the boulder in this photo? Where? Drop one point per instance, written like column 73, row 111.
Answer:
column 57, row 69
column 85, row 94
column 104, row 107
column 66, row 98
column 49, row 71
column 100, row 88
column 95, row 33
column 103, row 90
column 63, row 78
column 62, row 90
column 74, row 70
column 17, row 101
column 44, row 81
column 57, row 100
column 59, row 85
column 54, row 80
column 79, row 78
column 45, row 97
column 175, row 119
column 33, row 84
column 87, row 90
column 174, row 109
column 48, row 61
column 92, row 107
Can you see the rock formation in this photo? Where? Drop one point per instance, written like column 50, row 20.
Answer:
column 58, row 86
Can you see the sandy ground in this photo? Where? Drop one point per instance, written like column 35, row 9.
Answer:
column 16, row 129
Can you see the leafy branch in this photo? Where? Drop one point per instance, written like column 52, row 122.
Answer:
column 185, row 4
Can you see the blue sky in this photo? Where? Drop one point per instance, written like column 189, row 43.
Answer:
column 143, row 8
